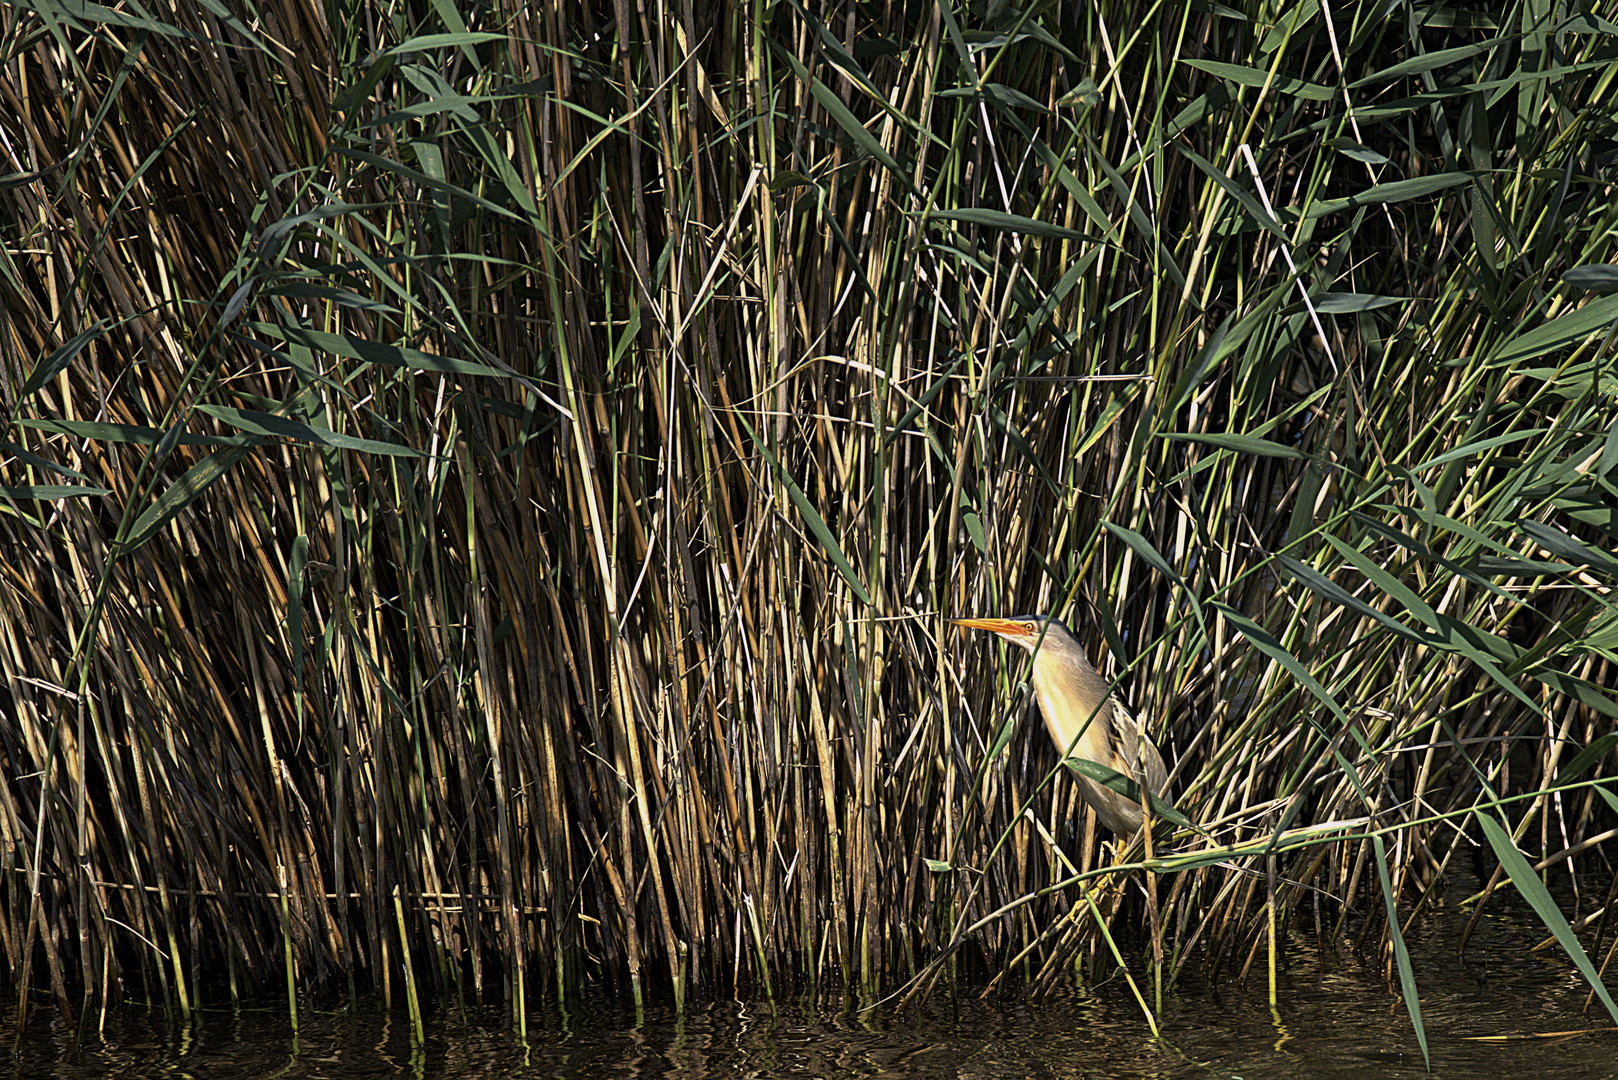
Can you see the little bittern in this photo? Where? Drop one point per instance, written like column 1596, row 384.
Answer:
column 1083, row 718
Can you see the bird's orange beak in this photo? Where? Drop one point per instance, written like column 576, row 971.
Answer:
column 1006, row 627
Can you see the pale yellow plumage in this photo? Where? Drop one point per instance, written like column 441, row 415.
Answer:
column 1084, row 720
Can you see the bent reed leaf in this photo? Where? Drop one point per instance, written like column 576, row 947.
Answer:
column 261, row 423
column 1599, row 748
column 1401, row 953
column 61, row 357
column 1533, row 890
column 1123, row 785
column 182, row 493
column 49, row 492
column 1393, row 191
column 999, row 219
column 1247, row 76
column 1568, row 329
column 1237, row 443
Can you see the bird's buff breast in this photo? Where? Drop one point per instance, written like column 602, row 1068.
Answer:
column 1071, row 703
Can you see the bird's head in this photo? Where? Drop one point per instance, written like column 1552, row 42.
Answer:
column 1029, row 631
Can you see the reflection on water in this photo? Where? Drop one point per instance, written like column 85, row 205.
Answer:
column 1338, row 1022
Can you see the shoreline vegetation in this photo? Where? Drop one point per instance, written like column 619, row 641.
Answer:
column 484, row 487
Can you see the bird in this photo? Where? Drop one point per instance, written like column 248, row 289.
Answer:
column 1084, row 719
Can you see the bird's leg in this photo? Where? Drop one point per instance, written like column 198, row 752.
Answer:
column 1109, row 888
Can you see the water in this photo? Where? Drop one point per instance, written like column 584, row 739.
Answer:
column 1341, row 1026
column 1336, row 1022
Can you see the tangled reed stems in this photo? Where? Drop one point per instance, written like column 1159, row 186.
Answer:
column 484, row 486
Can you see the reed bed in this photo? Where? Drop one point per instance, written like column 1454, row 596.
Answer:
column 485, row 484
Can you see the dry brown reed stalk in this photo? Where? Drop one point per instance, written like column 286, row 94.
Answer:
column 524, row 456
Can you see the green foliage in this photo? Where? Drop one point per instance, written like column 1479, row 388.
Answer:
column 523, row 457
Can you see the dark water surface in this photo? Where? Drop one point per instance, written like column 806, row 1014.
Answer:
column 1340, row 1022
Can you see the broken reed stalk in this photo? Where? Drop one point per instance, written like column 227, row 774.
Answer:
column 526, row 462
column 418, row 1028
column 289, row 961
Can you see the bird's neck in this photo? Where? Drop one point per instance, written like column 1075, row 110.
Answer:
column 1072, row 698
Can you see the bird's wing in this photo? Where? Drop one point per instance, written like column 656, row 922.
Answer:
column 1136, row 750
